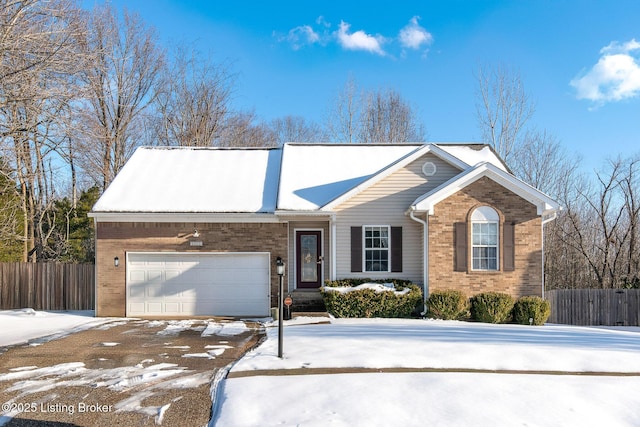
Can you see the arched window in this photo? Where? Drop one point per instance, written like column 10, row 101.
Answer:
column 485, row 239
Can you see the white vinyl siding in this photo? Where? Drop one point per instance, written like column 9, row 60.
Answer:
column 386, row 203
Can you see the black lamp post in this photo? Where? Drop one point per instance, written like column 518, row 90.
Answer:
column 280, row 271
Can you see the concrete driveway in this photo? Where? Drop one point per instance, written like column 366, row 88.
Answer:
column 129, row 372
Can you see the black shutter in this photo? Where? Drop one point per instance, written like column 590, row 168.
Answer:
column 396, row 249
column 356, row 249
column 460, row 242
column 508, row 247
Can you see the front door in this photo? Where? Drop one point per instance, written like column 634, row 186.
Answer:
column 308, row 259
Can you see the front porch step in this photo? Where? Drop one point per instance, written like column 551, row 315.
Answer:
column 307, row 300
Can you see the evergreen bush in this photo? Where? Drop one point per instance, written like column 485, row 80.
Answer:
column 368, row 302
column 534, row 308
column 447, row 305
column 491, row 307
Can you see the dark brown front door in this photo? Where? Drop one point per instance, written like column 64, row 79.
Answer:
column 308, row 259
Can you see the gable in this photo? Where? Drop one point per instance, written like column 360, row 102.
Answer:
column 427, row 202
column 401, row 187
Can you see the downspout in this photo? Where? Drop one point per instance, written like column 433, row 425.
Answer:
column 95, row 267
column 425, row 256
column 334, row 246
column 544, row 221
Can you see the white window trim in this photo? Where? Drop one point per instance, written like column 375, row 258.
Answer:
column 364, row 248
column 486, row 215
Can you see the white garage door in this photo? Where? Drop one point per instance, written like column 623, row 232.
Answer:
column 190, row 284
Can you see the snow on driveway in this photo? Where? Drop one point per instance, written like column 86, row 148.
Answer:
column 132, row 383
column 564, row 396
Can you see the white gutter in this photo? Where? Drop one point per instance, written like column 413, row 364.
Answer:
column 425, row 256
column 197, row 217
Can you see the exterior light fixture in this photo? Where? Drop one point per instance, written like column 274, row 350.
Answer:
column 280, row 266
column 116, row 261
column 280, row 271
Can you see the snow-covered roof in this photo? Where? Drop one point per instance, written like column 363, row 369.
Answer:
column 315, row 174
column 209, row 180
column 294, row 177
column 474, row 154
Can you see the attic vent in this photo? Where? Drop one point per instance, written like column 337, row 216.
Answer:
column 429, row 169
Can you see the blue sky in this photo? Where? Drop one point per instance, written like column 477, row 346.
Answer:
column 579, row 59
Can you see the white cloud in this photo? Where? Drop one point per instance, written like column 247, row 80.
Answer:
column 359, row 40
column 301, row 36
column 615, row 47
column 414, row 36
column 323, row 22
column 616, row 75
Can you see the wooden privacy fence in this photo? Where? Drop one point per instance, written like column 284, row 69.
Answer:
column 610, row 307
column 47, row 286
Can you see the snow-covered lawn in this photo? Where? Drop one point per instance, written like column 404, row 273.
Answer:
column 580, row 383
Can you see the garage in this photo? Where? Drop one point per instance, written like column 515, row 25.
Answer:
column 198, row 284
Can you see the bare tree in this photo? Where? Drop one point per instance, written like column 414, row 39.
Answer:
column 125, row 67
column 630, row 187
column 343, row 118
column 381, row 116
column 39, row 58
column 193, row 102
column 242, row 129
column 600, row 226
column 295, row 129
column 388, row 118
column 541, row 161
column 502, row 107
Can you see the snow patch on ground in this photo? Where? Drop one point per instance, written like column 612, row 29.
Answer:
column 22, row 326
column 225, row 329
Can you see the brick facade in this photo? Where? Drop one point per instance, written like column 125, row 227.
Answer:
column 116, row 239
column 526, row 279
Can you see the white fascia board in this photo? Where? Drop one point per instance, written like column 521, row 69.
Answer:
column 426, row 203
column 378, row 176
column 183, row 217
column 283, row 213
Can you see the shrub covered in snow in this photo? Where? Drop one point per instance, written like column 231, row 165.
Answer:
column 534, row 308
column 371, row 298
column 491, row 307
column 447, row 305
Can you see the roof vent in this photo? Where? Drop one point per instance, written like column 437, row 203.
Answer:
column 429, row 169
